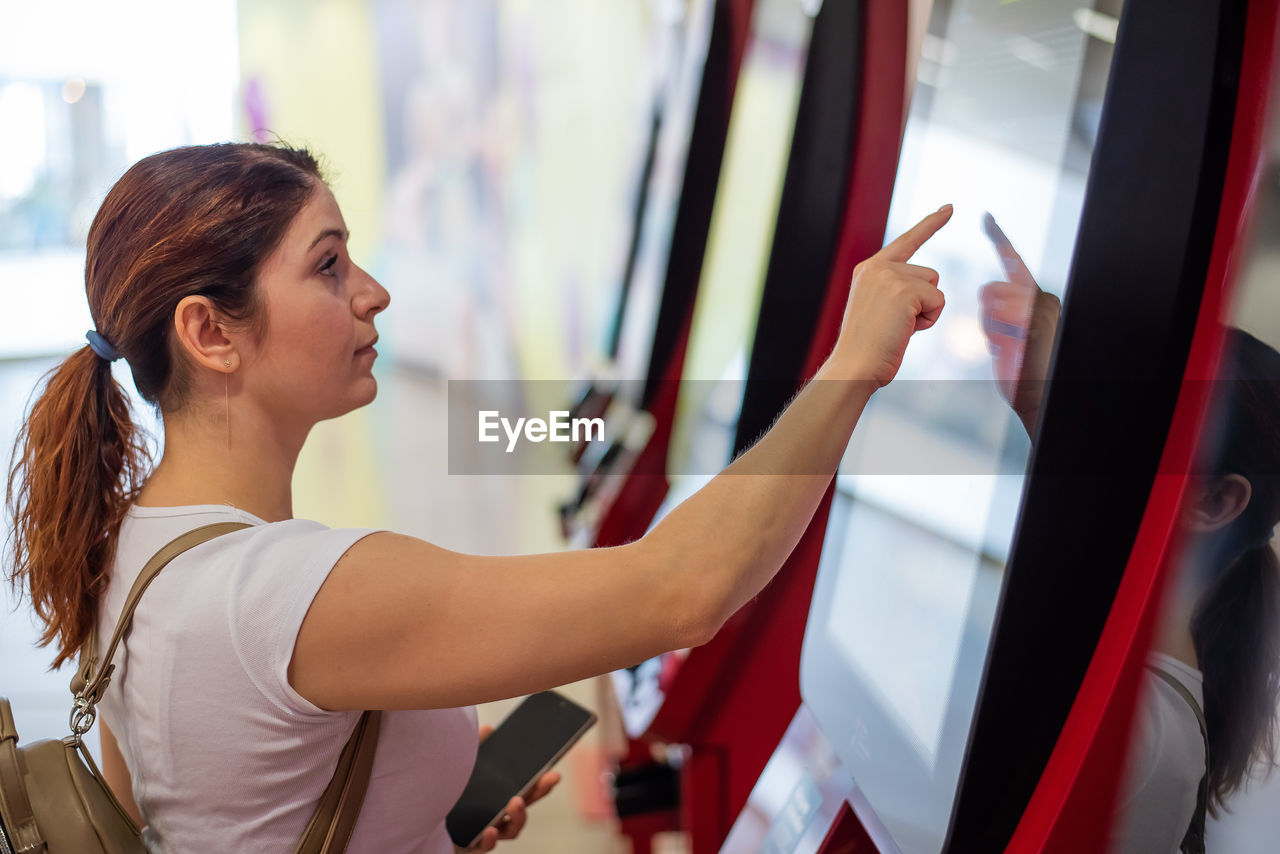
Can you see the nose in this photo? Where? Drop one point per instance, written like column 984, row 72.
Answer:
column 370, row 296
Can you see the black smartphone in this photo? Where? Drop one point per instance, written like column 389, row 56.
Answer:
column 512, row 759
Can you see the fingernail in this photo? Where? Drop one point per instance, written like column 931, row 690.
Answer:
column 944, row 208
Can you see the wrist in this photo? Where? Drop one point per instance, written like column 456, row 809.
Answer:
column 856, row 377
column 844, row 364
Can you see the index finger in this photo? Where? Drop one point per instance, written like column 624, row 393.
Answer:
column 1011, row 262
column 910, row 241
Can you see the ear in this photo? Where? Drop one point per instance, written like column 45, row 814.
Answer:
column 201, row 333
column 1214, row 503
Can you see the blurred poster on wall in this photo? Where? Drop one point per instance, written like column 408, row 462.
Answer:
column 510, row 130
column 447, row 157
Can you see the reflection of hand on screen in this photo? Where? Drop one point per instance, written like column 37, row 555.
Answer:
column 1020, row 321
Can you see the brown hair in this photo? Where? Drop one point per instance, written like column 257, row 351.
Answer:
column 1236, row 623
column 198, row 220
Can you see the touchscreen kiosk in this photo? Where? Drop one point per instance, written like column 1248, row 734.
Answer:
column 733, row 278
column 671, row 213
column 761, row 128
column 984, row 579
column 632, row 338
column 1002, row 125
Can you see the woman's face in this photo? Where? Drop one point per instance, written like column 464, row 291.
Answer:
column 315, row 359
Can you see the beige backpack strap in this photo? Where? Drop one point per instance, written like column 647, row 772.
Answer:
column 90, row 680
column 331, row 824
column 20, row 821
column 335, row 817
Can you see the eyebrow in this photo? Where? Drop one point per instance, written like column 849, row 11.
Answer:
column 329, row 232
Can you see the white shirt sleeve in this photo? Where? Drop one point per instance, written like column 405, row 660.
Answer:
column 272, row 584
column 1166, row 761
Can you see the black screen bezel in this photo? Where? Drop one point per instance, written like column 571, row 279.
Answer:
column 1133, row 296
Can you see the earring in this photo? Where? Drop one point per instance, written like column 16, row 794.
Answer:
column 226, row 363
column 226, row 402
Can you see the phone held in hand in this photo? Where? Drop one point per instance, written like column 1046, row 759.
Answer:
column 512, row 760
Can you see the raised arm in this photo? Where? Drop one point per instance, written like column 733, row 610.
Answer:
column 401, row 623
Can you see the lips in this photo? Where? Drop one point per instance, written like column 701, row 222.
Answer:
column 368, row 347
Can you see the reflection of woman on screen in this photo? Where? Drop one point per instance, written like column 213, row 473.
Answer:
column 1223, row 617
column 1216, row 658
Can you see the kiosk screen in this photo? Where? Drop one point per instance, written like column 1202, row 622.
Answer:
column 679, row 95
column 1002, row 125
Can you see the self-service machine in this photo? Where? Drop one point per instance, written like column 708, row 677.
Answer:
column 1002, row 526
column 804, row 190
column 622, row 477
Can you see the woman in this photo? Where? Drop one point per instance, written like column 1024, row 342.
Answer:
column 1216, row 656
column 221, row 274
column 1219, row 636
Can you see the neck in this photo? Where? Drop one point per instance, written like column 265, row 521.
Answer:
column 1173, row 637
column 1173, row 633
column 253, row 471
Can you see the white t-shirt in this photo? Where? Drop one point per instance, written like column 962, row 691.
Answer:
column 1166, row 762
column 225, row 756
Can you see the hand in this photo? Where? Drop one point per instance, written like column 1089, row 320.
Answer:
column 1020, row 321
column 889, row 300
column 515, row 815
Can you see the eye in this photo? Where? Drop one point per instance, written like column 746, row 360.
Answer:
column 326, row 269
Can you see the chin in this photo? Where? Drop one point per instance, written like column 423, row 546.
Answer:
column 368, row 391
column 359, row 398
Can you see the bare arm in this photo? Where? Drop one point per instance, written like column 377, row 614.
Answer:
column 400, row 623
column 117, row 773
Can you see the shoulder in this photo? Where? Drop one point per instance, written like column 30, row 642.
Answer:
column 1175, row 712
column 147, row 529
column 245, row 592
column 1187, row 676
column 1169, row 728
column 262, row 556
column 266, row 571
column 1166, row 761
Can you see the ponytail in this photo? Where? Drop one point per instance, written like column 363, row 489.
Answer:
column 1236, row 632
column 77, row 464
column 198, row 220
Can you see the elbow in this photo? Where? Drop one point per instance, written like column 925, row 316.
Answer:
column 697, row 603
column 704, row 609
column 702, row 630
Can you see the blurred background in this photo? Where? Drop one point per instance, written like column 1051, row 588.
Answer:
column 484, row 154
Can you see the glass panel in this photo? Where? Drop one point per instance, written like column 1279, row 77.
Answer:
column 1002, row 125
